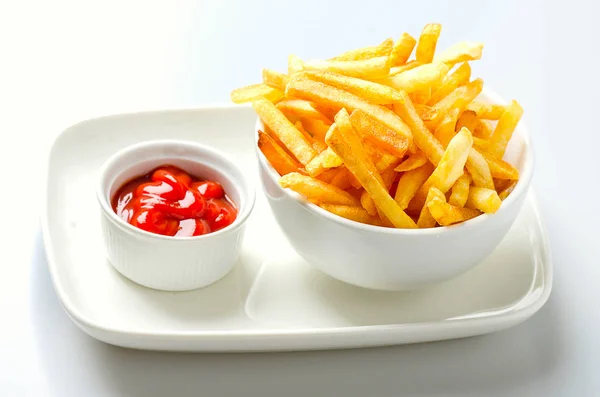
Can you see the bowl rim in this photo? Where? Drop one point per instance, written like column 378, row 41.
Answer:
column 520, row 189
column 244, row 188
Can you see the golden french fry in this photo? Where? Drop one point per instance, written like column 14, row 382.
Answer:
column 380, row 157
column 373, row 92
column 380, row 50
column 427, row 42
column 461, row 52
column 487, row 111
column 459, row 98
column 285, row 130
column 256, row 91
column 295, row 64
column 368, row 204
column 446, row 129
column 378, row 133
column 274, row 79
column 402, row 49
column 354, row 213
column 422, row 137
column 484, row 200
column 317, row 128
column 504, row 129
column 450, row 82
column 425, row 219
column 483, row 129
column 323, row 161
column 480, row 144
column 448, row 170
column 335, row 98
column 410, row 182
column 418, row 78
column 446, row 214
column 460, row 191
column 413, row 161
column 500, row 169
column 467, row 119
column 315, row 190
column 479, row 170
column 401, row 69
column 364, row 68
column 277, row 157
column 346, row 143
column 300, row 108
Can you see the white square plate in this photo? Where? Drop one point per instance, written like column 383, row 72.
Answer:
column 272, row 300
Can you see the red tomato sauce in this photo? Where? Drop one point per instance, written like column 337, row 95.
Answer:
column 170, row 202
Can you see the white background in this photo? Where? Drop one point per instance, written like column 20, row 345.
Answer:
column 62, row 61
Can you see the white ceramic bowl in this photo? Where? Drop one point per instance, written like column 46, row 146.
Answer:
column 395, row 259
column 164, row 262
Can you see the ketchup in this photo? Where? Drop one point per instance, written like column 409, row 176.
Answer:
column 170, row 202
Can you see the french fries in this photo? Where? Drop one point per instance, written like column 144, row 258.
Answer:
column 391, row 135
column 428, row 42
column 315, row 190
column 285, row 130
column 253, row 92
column 402, row 49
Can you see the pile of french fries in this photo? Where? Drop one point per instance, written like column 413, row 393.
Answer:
column 379, row 138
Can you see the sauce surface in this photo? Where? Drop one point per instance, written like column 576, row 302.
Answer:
column 170, row 202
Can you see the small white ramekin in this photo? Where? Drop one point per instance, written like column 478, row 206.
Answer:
column 164, row 262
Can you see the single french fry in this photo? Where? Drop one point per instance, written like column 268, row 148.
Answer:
column 300, row 108
column 461, row 52
column 317, row 128
column 354, row 213
column 295, row 64
column 446, row 129
column 484, row 200
column 479, row 170
column 402, row 49
column 425, row 219
column 419, row 78
column 315, row 190
column 335, row 98
column 277, row 157
column 410, row 182
column 346, row 143
column 423, row 138
column 500, row 169
column 446, row 214
column 358, row 54
column 256, row 91
column 285, row 130
column 504, row 129
column 413, row 161
column 483, row 129
column 274, row 79
column 368, row 204
column 448, row 170
column 378, row 134
column 325, row 160
column 460, row 191
column 459, row 98
column 373, row 92
column 450, row 82
column 480, row 144
column 401, row 69
column 487, row 111
column 427, row 42
column 364, row 68
column 467, row 119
